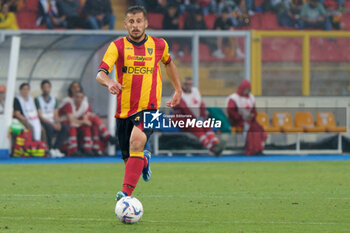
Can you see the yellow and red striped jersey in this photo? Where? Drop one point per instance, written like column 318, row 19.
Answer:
column 137, row 69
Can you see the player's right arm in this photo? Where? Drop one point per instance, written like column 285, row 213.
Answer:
column 106, row 66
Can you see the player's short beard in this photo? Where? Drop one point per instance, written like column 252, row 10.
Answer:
column 138, row 37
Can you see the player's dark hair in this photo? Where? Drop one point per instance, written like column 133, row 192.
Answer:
column 136, row 9
column 23, row 85
column 45, row 81
column 70, row 92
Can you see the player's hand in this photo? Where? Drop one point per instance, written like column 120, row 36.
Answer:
column 100, row 17
column 57, row 126
column 114, row 88
column 175, row 100
column 87, row 122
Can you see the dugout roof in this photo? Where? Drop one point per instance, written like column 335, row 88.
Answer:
column 52, row 56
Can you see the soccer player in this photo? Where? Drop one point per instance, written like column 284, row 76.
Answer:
column 138, row 88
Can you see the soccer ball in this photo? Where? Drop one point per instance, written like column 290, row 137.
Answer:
column 129, row 210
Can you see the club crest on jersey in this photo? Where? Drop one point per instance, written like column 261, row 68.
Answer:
column 150, row 51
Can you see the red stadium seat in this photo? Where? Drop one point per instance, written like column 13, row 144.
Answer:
column 26, row 19
column 269, row 21
column 31, row 5
column 255, row 21
column 181, row 22
column 258, row 2
column 155, row 20
column 346, row 19
column 210, row 20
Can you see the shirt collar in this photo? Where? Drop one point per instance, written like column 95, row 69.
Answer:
column 137, row 43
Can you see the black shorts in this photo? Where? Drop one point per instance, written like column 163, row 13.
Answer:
column 124, row 129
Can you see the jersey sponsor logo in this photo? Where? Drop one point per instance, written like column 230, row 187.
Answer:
column 137, row 70
column 139, row 58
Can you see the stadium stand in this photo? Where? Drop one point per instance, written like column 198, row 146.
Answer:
column 321, row 50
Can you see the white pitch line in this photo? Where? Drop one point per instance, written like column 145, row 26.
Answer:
column 78, row 195
column 176, row 221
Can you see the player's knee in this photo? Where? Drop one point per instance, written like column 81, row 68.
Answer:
column 136, row 145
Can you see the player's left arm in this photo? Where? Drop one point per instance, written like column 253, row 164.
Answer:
column 171, row 71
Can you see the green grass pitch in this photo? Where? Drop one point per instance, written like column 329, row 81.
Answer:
column 300, row 197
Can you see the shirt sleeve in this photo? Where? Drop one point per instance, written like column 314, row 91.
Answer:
column 37, row 104
column 322, row 10
column 17, row 106
column 166, row 59
column 66, row 109
column 109, row 59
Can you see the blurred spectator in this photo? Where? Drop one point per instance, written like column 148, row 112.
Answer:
column 239, row 17
column 237, row 6
column 13, row 4
column 192, row 107
column 224, row 23
column 195, row 21
column 69, row 14
column 2, row 98
column 249, row 7
column 157, row 6
column 189, row 5
column 208, row 6
column 285, row 16
column 100, row 134
column 171, row 18
column 74, row 114
column 242, row 113
column 25, row 111
column 313, row 15
column 47, row 107
column 171, row 22
column 295, row 8
column 99, row 13
column 7, row 18
column 334, row 13
column 48, row 14
column 339, row 3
